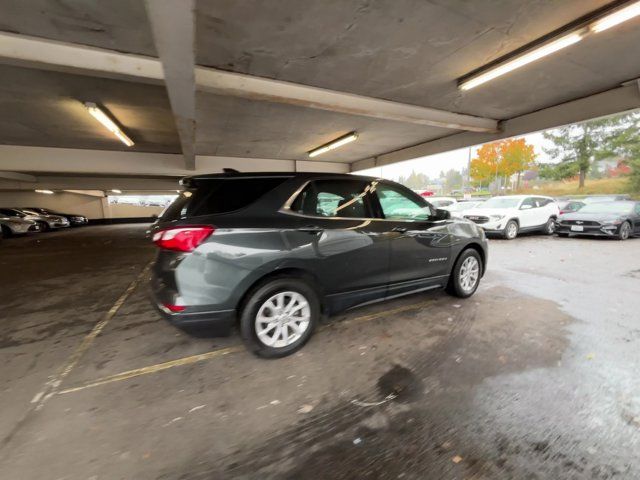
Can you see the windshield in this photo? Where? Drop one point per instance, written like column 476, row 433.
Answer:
column 608, row 207
column 501, row 202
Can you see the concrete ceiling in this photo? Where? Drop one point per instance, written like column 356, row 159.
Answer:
column 45, row 108
column 407, row 51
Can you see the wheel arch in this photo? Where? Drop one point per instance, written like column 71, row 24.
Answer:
column 477, row 248
column 289, row 272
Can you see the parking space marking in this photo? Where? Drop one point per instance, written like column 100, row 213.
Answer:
column 51, row 387
column 155, row 368
column 118, row 377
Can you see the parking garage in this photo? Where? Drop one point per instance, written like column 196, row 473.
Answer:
column 535, row 376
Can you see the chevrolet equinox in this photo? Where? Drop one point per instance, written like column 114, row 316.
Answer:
column 272, row 252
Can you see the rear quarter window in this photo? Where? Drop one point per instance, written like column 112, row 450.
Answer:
column 217, row 196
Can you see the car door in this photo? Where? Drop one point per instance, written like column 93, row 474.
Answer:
column 547, row 208
column 528, row 213
column 347, row 249
column 420, row 244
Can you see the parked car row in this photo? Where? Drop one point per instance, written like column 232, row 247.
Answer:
column 19, row 221
column 613, row 216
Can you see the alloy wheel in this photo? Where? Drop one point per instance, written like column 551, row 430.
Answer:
column 512, row 230
column 624, row 231
column 282, row 319
column 469, row 274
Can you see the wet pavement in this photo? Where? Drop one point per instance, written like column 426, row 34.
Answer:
column 536, row 376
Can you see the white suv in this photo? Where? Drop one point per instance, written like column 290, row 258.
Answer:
column 513, row 214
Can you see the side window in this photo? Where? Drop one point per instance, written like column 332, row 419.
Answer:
column 530, row 202
column 333, row 198
column 638, row 208
column 396, row 205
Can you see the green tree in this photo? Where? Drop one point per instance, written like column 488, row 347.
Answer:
column 415, row 180
column 577, row 146
column 626, row 144
column 452, row 180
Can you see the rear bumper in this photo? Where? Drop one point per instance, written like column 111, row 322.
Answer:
column 217, row 321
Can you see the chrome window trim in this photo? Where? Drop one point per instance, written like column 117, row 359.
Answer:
column 286, row 208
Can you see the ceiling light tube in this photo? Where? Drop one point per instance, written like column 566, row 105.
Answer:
column 616, row 18
column 48, row 192
column 338, row 142
column 109, row 124
column 522, row 60
column 115, row 190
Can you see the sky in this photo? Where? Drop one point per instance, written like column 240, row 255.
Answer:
column 432, row 165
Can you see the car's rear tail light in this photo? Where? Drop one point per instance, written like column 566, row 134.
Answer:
column 182, row 239
column 173, row 308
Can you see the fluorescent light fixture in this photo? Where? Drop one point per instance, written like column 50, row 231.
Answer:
column 48, row 192
column 522, row 60
column 616, row 18
column 115, row 190
column 104, row 119
column 338, row 142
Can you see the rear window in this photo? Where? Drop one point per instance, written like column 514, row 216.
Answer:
column 211, row 197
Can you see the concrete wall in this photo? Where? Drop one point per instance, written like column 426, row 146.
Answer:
column 89, row 206
column 92, row 207
column 133, row 211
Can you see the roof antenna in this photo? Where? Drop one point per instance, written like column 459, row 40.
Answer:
column 230, row 170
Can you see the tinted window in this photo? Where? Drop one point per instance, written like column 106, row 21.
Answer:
column 333, row 198
column 397, row 205
column 216, row 196
column 10, row 213
column 530, row 202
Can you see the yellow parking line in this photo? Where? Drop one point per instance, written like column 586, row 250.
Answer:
column 53, row 385
column 154, row 368
column 221, row 352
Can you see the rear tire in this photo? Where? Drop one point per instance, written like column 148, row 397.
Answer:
column 279, row 316
column 510, row 230
column 625, row 231
column 5, row 232
column 466, row 274
column 550, row 226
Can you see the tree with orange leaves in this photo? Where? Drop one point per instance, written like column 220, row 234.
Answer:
column 502, row 159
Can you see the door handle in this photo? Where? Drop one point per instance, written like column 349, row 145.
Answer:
column 311, row 229
column 399, row 229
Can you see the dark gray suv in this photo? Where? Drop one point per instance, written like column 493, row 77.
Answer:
column 274, row 251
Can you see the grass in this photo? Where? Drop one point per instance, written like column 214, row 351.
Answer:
column 591, row 187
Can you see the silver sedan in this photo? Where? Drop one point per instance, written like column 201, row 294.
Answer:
column 15, row 225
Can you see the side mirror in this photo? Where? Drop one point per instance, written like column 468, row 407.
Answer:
column 526, row 207
column 154, row 216
column 442, row 214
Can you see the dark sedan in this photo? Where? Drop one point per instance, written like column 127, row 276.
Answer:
column 273, row 252
column 74, row 219
column 619, row 220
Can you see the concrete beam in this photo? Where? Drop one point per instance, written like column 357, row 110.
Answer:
column 48, row 54
column 173, row 27
column 104, row 162
column 21, row 177
column 610, row 102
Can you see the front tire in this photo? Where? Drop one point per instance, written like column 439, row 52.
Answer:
column 279, row 317
column 466, row 273
column 510, row 230
column 44, row 226
column 625, row 231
